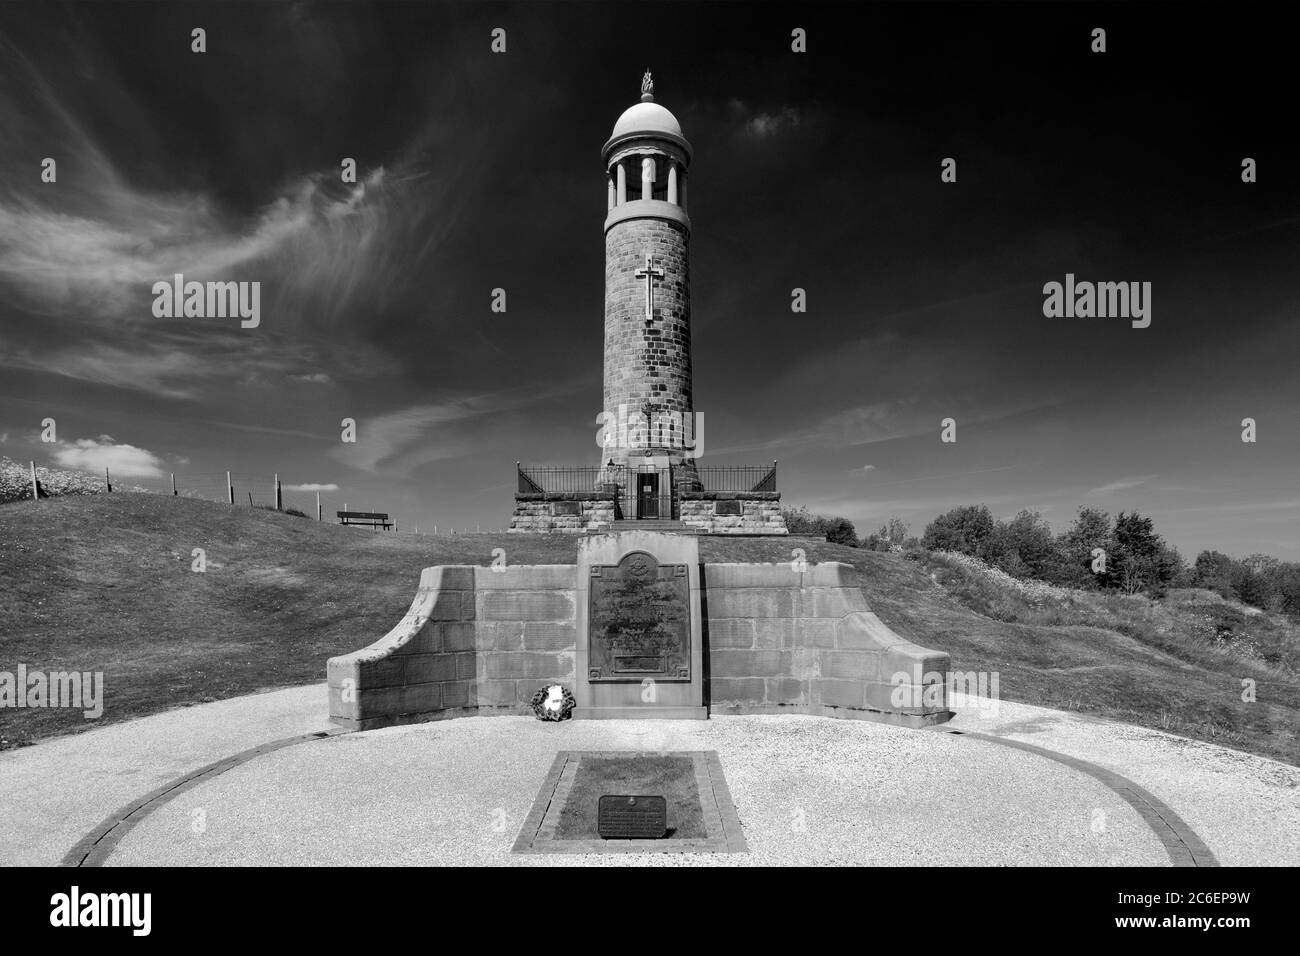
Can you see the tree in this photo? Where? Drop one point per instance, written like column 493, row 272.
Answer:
column 1253, row 582
column 1022, row 547
column 1140, row 560
column 1091, row 530
column 898, row 531
column 964, row 530
column 1213, row 571
column 1286, row 581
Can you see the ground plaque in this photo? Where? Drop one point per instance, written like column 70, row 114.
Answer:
column 627, row 817
column 582, row 806
column 639, row 621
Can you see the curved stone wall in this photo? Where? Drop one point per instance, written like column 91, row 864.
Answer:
column 778, row 639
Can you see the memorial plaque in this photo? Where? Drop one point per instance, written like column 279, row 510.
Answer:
column 626, row 817
column 729, row 508
column 639, row 623
column 566, row 508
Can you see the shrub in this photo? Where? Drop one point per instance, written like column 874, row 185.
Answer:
column 892, row 536
column 833, row 529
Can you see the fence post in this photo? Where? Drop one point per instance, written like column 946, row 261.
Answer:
column 279, row 499
column 230, row 489
column 108, row 483
column 36, row 493
column 318, row 512
column 173, row 484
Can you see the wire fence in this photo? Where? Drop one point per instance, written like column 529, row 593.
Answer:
column 27, row 481
column 264, row 491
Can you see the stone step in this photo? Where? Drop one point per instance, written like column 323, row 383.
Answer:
column 649, row 524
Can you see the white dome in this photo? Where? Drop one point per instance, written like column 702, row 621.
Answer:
column 646, row 118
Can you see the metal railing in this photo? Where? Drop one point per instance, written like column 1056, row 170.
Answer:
column 539, row 479
column 738, row 478
column 639, row 494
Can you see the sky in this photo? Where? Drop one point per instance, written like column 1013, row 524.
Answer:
column 817, row 170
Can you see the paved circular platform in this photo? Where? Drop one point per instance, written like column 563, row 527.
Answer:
column 806, row 790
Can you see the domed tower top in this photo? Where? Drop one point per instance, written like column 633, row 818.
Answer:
column 649, row 121
column 645, row 159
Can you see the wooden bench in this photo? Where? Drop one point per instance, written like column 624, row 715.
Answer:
column 367, row 519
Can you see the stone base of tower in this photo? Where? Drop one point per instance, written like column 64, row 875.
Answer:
column 736, row 513
column 564, row 512
column 657, row 495
column 697, row 512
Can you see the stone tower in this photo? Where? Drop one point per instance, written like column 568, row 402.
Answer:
column 649, row 421
column 651, row 437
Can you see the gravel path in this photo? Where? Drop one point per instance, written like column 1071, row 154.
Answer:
column 807, row 790
column 53, row 794
column 1245, row 808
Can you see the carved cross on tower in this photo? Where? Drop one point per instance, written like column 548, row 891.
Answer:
column 649, row 273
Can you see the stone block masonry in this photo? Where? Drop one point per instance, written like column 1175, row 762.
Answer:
column 647, row 361
column 476, row 640
column 482, row 641
column 544, row 513
column 760, row 513
column 781, row 641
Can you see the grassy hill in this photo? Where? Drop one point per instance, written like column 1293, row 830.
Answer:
column 105, row 583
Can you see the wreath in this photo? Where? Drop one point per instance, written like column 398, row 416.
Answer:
column 553, row 702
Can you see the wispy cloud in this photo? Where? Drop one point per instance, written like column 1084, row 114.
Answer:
column 83, row 253
column 765, row 123
column 399, row 441
column 100, row 253
column 1122, row 484
column 311, row 487
column 955, row 474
